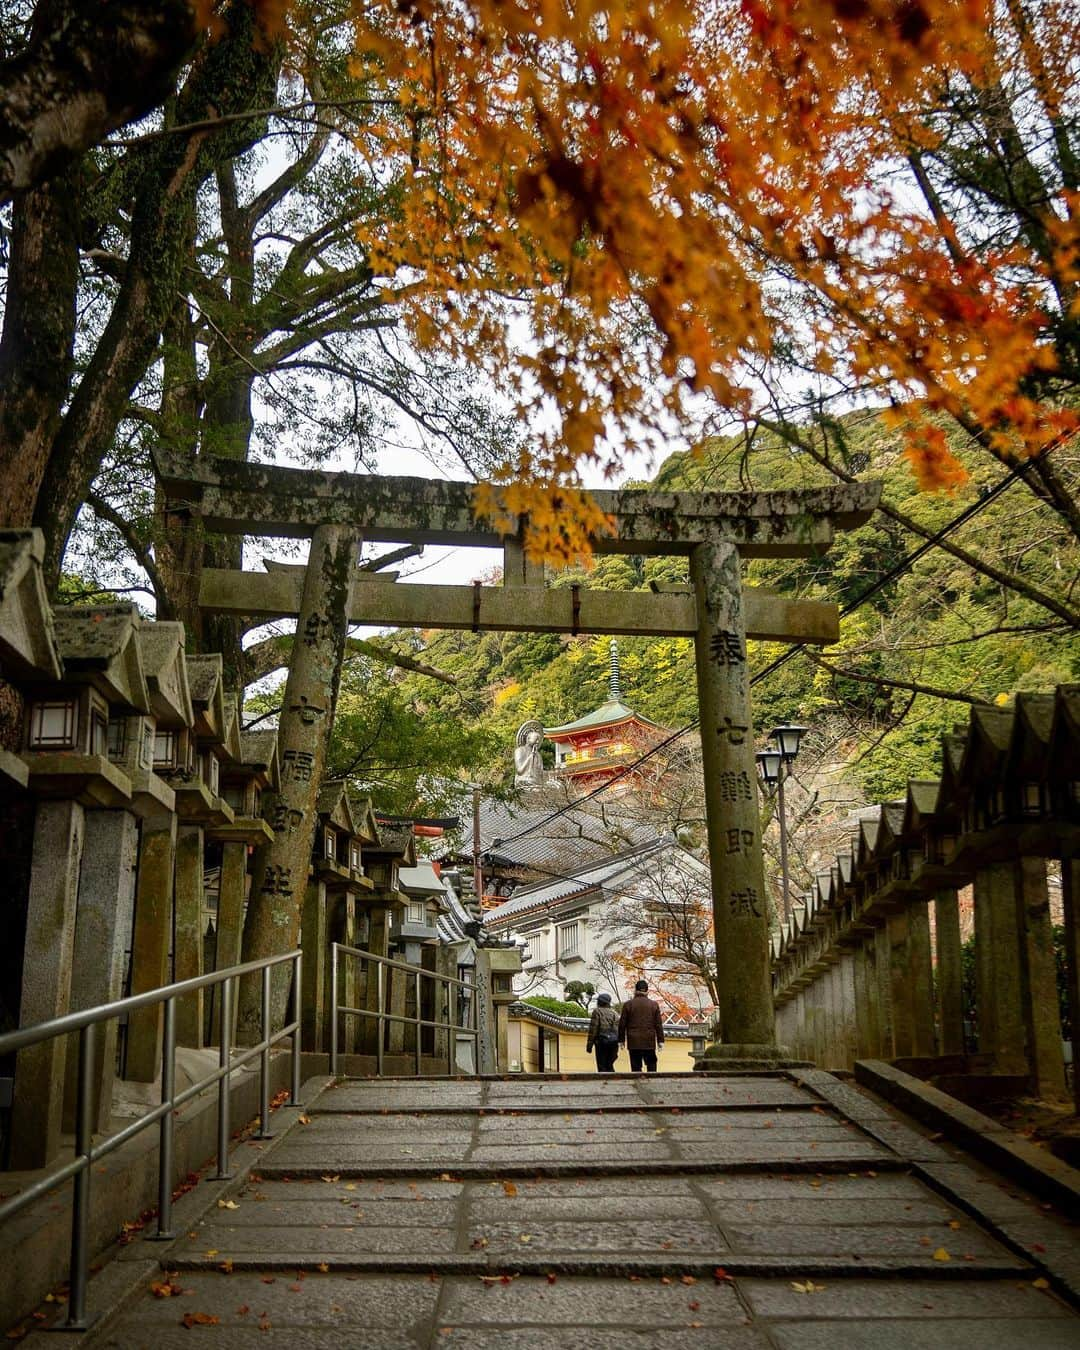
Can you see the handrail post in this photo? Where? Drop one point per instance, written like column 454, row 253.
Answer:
column 224, row 1054
column 419, row 1014
column 297, row 997
column 381, row 1024
column 333, row 1010
column 264, row 1058
column 450, row 994
column 80, row 1207
column 165, row 1147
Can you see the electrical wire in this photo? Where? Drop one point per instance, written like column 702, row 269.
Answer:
column 897, row 570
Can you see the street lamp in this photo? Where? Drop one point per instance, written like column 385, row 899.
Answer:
column 774, row 765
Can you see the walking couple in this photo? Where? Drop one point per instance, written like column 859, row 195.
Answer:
column 638, row 1025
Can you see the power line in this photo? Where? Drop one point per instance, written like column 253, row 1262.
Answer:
column 897, row 570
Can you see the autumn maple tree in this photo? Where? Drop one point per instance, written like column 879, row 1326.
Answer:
column 612, row 206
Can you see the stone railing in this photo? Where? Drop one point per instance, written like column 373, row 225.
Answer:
column 870, row 965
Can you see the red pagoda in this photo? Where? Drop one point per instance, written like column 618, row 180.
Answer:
column 600, row 744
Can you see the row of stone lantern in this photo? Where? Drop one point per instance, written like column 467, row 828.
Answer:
column 856, row 971
column 124, row 775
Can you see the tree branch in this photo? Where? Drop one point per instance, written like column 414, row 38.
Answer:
column 883, row 682
column 272, row 653
column 143, row 557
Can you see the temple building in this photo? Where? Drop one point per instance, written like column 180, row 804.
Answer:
column 596, row 747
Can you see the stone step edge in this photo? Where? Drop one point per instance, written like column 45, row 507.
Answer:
column 671, row 1265
column 464, row 1171
column 717, row 1108
column 780, row 1069
column 995, row 1144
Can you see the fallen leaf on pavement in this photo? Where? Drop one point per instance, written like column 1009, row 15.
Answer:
column 198, row 1319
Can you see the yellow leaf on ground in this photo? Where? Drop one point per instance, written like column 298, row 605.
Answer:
column 942, row 1255
column 1040, row 1283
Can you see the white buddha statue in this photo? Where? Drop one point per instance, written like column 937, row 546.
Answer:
column 528, row 765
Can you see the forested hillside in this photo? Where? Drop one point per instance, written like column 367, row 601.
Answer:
column 988, row 610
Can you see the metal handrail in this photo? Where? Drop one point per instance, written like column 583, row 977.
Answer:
column 87, row 1152
column 382, row 1017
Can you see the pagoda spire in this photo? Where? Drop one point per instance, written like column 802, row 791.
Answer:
column 614, row 684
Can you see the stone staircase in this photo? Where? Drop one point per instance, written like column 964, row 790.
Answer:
column 774, row 1210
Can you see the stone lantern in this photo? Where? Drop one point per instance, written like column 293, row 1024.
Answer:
column 244, row 780
column 165, row 743
column 196, row 779
column 336, row 878
column 83, row 861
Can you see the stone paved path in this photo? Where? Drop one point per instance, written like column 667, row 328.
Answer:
column 774, row 1211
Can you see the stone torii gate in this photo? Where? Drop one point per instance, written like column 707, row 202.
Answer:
column 714, row 529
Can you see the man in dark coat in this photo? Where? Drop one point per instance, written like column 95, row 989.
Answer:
column 641, row 1028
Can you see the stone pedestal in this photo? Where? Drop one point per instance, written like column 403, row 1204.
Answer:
column 103, row 926
column 740, row 908
column 188, row 931
column 882, row 970
column 950, row 973
column 903, row 1037
column 230, row 918
column 1002, row 1032
column 1070, row 889
column 46, row 990
column 1041, row 1007
column 315, row 967
column 150, row 943
column 378, row 945
column 920, row 962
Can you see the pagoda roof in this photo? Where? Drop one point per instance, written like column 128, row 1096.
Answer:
column 608, row 714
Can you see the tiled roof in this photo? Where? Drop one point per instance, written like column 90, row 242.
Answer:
column 597, row 876
column 606, row 715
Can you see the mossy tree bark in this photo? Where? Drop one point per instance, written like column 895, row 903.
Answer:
column 38, row 336
column 86, row 70
column 233, row 75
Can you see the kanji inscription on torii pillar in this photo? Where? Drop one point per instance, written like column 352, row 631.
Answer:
column 716, row 530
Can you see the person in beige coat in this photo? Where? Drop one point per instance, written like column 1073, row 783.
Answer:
column 642, row 1028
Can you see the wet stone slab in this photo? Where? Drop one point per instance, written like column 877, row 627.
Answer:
column 934, row 1216
column 581, row 1153
column 1015, row 1334
column 688, row 1336
column 863, row 1300
column 616, row 1207
column 862, row 1240
column 317, row 1242
column 643, row 1237
column 774, row 1186
column 573, row 1302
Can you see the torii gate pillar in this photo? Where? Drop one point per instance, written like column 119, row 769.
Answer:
column 740, row 915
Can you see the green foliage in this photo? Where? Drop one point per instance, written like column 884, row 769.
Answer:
column 580, row 992
column 554, row 1005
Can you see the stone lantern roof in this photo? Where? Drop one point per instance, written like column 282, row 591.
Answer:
column 28, row 648
column 161, row 646
column 99, row 647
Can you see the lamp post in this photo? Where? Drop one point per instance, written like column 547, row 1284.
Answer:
column 774, row 765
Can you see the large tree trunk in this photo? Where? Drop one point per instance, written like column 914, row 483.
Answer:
column 36, row 346
column 233, row 75
column 87, row 70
